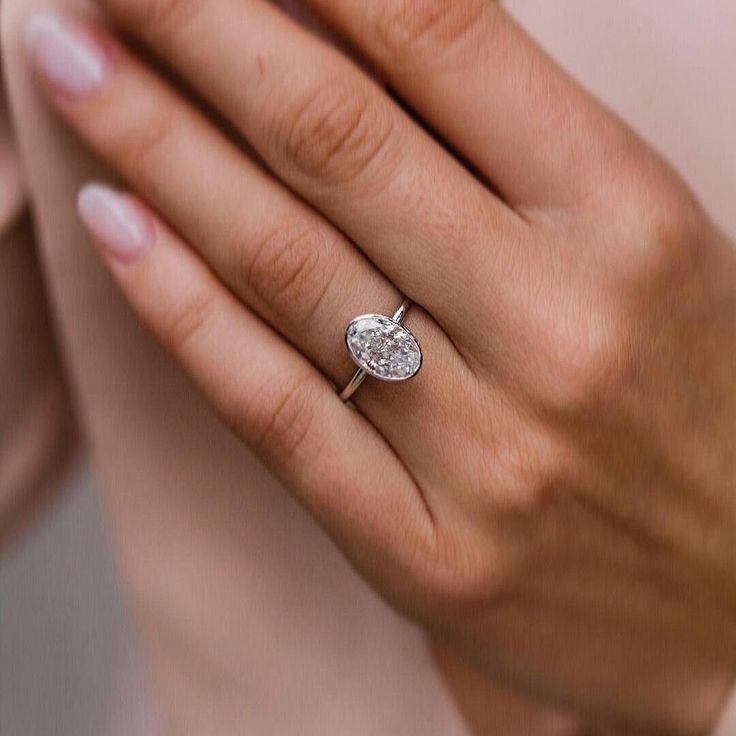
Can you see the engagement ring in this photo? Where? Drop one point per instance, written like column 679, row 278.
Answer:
column 382, row 348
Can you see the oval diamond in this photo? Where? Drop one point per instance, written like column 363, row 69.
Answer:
column 383, row 348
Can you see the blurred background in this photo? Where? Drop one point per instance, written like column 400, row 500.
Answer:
column 65, row 644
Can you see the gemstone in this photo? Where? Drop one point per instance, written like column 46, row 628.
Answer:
column 383, row 348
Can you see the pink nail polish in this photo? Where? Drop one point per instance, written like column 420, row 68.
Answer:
column 125, row 230
column 69, row 58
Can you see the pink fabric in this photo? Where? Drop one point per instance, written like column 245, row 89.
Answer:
column 727, row 722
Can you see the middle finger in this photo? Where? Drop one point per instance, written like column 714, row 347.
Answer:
column 333, row 135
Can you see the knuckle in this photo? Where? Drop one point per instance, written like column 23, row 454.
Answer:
column 670, row 236
column 406, row 26
column 155, row 16
column 584, row 362
column 592, row 353
column 189, row 319
column 285, row 418
column 456, row 580
column 526, row 466
column 287, row 269
column 143, row 145
column 660, row 226
column 334, row 133
column 469, row 569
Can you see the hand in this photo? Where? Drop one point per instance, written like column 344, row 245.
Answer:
column 552, row 496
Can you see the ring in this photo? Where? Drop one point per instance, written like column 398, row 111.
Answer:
column 382, row 348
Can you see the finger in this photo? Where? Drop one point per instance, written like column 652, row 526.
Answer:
column 327, row 130
column 469, row 69
column 326, row 454
column 281, row 258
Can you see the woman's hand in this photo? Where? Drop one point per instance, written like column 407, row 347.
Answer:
column 553, row 496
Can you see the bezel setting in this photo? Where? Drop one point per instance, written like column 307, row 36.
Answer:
column 383, row 347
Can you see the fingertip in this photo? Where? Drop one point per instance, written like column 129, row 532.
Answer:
column 67, row 55
column 122, row 227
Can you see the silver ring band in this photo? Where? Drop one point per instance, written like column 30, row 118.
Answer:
column 382, row 348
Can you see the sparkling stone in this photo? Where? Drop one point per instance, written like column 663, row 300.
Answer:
column 383, row 348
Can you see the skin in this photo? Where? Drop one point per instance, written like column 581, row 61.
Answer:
column 557, row 496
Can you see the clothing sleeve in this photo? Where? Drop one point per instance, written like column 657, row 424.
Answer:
column 36, row 425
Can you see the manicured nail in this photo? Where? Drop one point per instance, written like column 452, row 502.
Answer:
column 69, row 58
column 124, row 229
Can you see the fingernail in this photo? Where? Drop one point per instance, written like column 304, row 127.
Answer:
column 68, row 57
column 124, row 229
